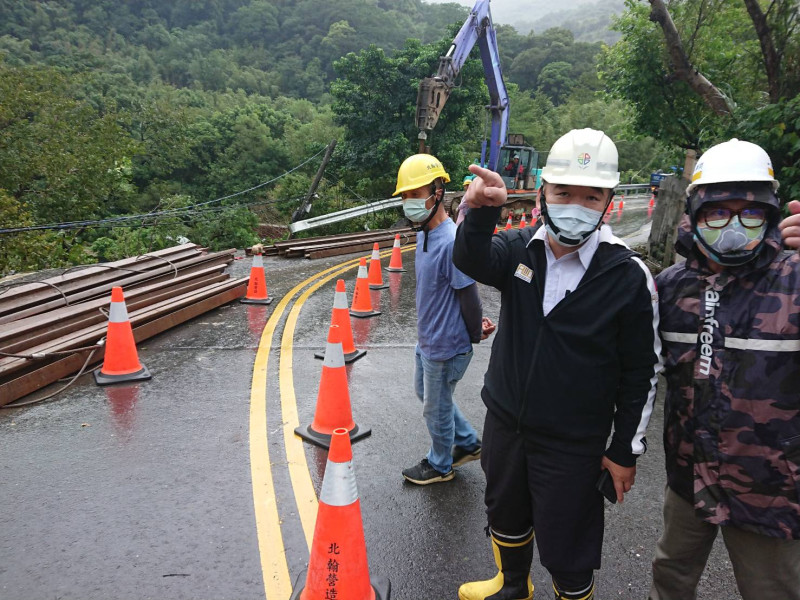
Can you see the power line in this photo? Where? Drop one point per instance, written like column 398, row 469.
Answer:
column 170, row 212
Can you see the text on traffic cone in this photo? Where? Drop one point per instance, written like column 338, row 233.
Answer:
column 337, row 566
column 257, row 286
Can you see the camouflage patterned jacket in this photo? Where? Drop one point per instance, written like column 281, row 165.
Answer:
column 731, row 344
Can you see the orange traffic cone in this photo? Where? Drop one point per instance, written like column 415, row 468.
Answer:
column 495, row 230
column 652, row 201
column 508, row 223
column 375, row 272
column 362, row 303
column 396, row 262
column 121, row 361
column 257, row 286
column 341, row 316
column 523, row 223
column 333, row 399
column 337, row 567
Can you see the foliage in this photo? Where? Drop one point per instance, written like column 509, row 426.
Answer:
column 554, row 63
column 57, row 155
column 637, row 70
column 720, row 40
column 776, row 128
column 134, row 108
column 20, row 252
column 216, row 228
column 380, row 131
column 587, row 22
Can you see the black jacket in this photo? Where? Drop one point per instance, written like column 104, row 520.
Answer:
column 592, row 361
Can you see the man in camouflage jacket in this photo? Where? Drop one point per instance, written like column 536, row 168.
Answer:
column 730, row 329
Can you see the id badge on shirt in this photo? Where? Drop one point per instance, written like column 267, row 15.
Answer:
column 524, row 272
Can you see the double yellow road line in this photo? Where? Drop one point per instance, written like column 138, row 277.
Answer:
column 277, row 583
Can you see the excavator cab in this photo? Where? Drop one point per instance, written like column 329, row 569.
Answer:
column 519, row 165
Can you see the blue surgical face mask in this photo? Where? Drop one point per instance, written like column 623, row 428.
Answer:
column 575, row 223
column 414, row 209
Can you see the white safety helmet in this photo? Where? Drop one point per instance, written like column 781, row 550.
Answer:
column 734, row 160
column 583, row 157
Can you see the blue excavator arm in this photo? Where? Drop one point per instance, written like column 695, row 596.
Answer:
column 434, row 91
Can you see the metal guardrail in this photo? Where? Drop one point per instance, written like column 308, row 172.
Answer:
column 628, row 188
column 372, row 207
column 343, row 215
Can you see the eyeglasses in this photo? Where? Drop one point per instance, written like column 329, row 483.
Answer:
column 717, row 217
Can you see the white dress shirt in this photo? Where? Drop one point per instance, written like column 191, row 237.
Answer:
column 565, row 273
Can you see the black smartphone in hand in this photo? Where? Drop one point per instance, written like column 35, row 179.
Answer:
column 605, row 485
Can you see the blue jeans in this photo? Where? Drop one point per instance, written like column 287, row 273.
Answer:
column 434, row 382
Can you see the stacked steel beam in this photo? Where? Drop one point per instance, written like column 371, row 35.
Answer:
column 52, row 328
column 335, row 245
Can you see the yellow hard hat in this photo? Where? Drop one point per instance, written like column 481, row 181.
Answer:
column 419, row 170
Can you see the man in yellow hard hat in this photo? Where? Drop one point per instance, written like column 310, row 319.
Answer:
column 449, row 321
column 586, row 359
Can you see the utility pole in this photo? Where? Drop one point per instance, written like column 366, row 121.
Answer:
column 305, row 207
column 669, row 210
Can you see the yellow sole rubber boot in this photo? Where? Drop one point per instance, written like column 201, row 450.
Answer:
column 492, row 588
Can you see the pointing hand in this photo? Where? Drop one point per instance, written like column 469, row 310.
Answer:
column 487, row 189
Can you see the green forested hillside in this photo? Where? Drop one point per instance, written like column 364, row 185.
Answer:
column 126, row 125
column 588, row 22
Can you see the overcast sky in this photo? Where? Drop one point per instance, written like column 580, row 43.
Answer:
column 510, row 12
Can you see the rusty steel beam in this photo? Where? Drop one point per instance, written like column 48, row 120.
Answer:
column 90, row 335
column 22, row 328
column 64, row 295
column 302, row 249
column 27, row 383
column 161, row 273
column 338, row 251
column 307, row 251
column 80, row 279
column 90, row 313
column 282, row 245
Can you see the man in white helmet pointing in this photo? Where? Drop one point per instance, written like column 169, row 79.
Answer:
column 585, row 358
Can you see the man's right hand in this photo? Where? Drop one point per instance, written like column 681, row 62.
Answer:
column 790, row 226
column 487, row 327
column 487, row 189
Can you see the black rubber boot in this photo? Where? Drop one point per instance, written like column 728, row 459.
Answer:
column 585, row 594
column 513, row 556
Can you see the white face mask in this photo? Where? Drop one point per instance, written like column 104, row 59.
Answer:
column 414, row 209
column 575, row 223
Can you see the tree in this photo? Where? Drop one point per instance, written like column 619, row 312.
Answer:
column 375, row 101
column 58, row 157
column 722, row 66
column 555, row 81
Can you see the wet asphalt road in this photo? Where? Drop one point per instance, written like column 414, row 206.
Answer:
column 145, row 491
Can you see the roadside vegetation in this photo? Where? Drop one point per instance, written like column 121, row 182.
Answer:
column 126, row 127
